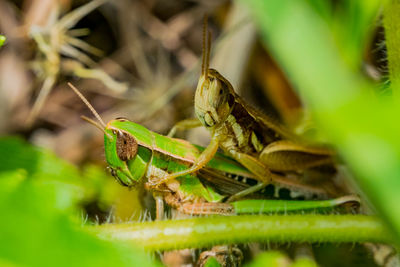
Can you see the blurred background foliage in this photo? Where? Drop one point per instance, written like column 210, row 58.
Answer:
column 360, row 123
column 39, row 196
column 313, row 64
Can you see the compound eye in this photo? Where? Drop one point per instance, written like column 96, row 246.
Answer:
column 127, row 146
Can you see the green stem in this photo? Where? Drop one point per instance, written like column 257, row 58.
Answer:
column 391, row 22
column 204, row 232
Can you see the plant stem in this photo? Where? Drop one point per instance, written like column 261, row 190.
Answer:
column 204, row 232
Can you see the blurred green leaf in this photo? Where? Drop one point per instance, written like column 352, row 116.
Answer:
column 304, row 262
column 362, row 127
column 212, row 262
column 99, row 185
column 37, row 196
column 278, row 259
column 44, row 167
column 391, row 22
column 352, row 26
column 270, row 258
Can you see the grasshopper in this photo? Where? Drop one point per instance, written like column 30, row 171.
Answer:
column 134, row 153
column 253, row 139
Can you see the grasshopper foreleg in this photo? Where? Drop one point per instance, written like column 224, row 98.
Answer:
column 184, row 125
column 201, row 161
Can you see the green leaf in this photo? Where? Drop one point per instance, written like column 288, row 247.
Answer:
column 212, row 262
column 321, row 66
column 38, row 196
column 270, row 258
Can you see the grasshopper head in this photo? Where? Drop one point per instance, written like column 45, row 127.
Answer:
column 213, row 99
column 121, row 147
column 127, row 150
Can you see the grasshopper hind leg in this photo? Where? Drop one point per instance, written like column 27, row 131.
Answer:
column 199, row 208
column 285, row 155
column 248, row 191
column 261, row 172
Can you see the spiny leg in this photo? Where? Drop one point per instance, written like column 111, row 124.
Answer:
column 262, row 173
column 207, row 209
column 285, row 155
column 255, row 166
column 201, row 161
column 247, row 191
column 199, row 208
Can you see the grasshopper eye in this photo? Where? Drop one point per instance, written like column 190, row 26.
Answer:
column 127, row 146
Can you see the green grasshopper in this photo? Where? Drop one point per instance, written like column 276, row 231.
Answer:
column 253, row 139
column 134, row 153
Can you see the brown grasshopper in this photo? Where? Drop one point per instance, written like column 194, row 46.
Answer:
column 255, row 140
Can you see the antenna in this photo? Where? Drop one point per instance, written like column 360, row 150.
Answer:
column 206, row 47
column 100, row 125
column 208, row 52
column 96, row 124
column 88, row 105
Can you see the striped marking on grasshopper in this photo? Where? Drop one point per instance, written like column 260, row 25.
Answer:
column 135, row 153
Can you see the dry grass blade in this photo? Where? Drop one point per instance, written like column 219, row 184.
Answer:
column 54, row 41
column 70, row 20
